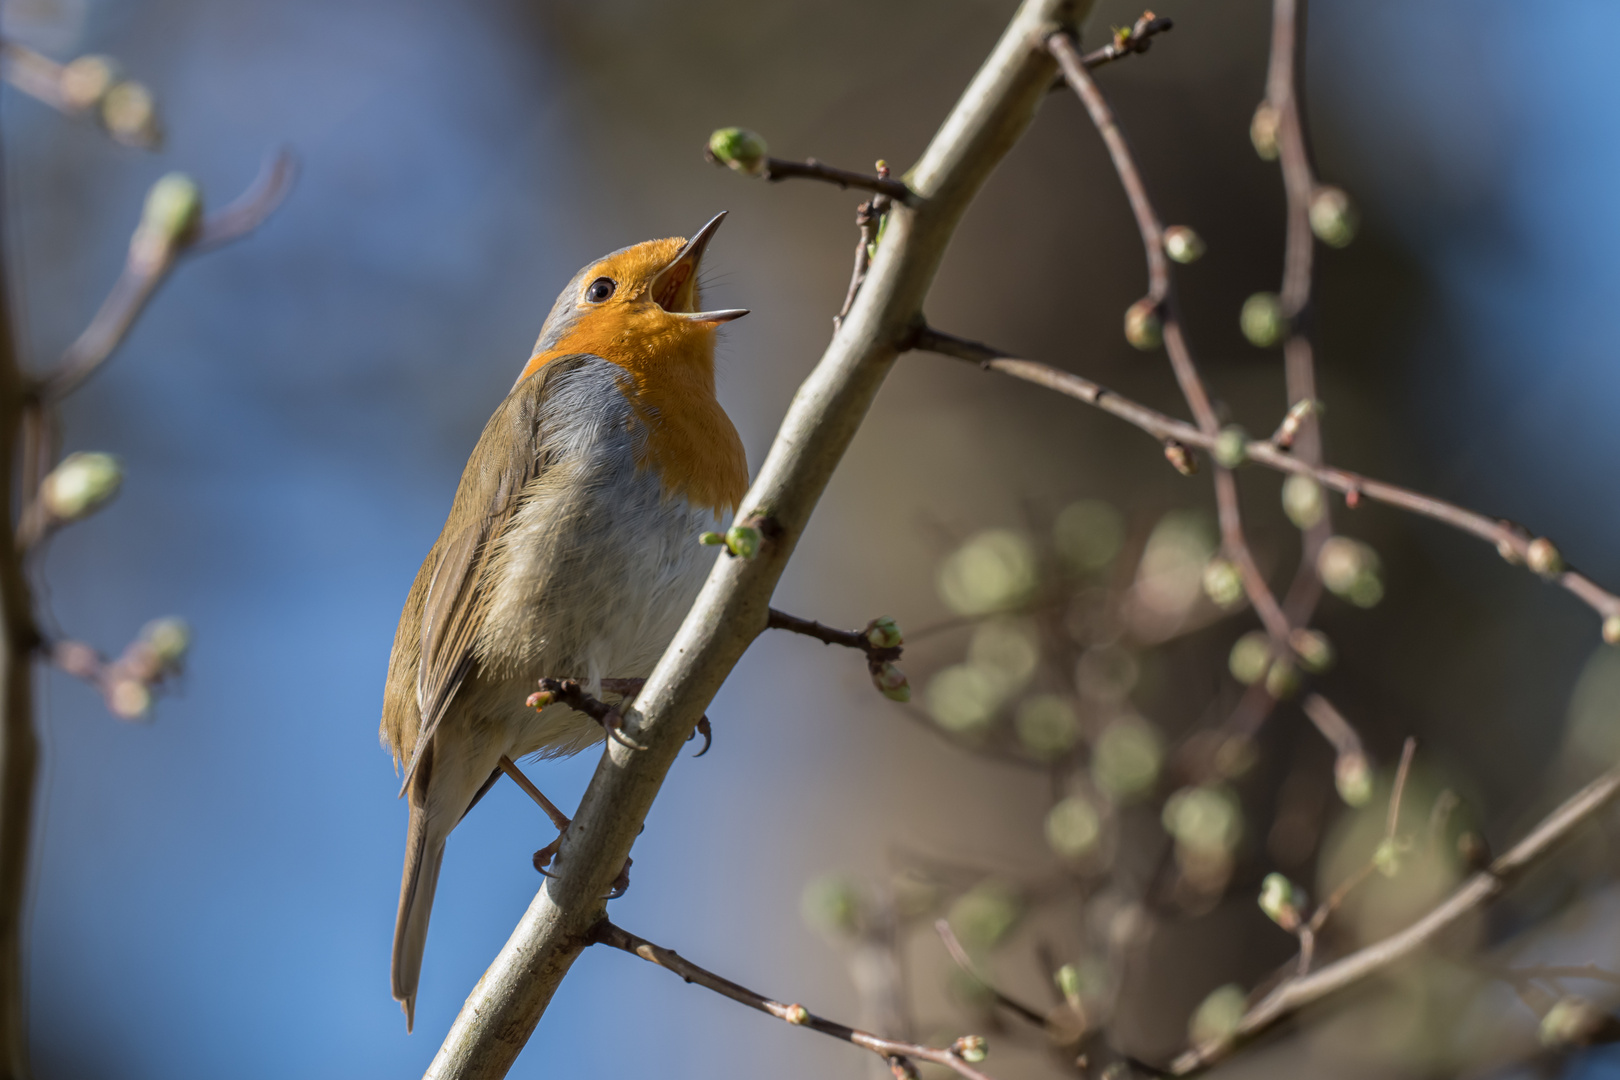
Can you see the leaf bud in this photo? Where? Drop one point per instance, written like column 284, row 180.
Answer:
column 81, row 484
column 1572, row 1021
column 743, row 541
column 1143, row 326
column 1183, row 245
column 1333, row 217
column 796, row 1014
column 1180, row 458
column 1282, row 680
column 739, row 149
column 892, row 682
column 1068, row 981
column 712, row 539
column 168, row 639
column 1231, row 446
column 130, row 115
column 1250, row 656
column 1302, row 500
column 1543, row 558
column 1387, row 857
column 1263, row 131
column 1611, row 629
column 172, row 213
column 1279, row 900
column 971, row 1048
column 884, row 633
column 1262, row 320
column 129, row 699
column 85, row 81
column 1294, row 419
column 1222, row 582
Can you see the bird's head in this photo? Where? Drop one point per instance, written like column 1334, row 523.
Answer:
column 639, row 308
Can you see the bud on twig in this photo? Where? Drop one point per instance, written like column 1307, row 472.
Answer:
column 1262, row 319
column 1282, row 680
column 170, row 218
column 884, row 633
column 1222, row 582
column 971, row 1048
column 1182, row 244
column 1068, row 982
column 1250, row 656
column 1263, row 132
column 1314, row 650
column 81, row 484
column 130, row 115
column 1279, row 899
column 85, row 81
column 1143, row 326
column 743, row 541
column 1352, row 775
column 1180, row 458
column 1302, row 500
column 1294, row 420
column 738, row 148
column 1350, row 569
column 1231, row 446
column 1611, row 629
column 1572, row 1021
column 796, row 1014
column 889, row 679
column 1333, row 217
column 1543, row 558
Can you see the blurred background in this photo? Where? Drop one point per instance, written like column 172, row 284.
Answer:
column 215, row 890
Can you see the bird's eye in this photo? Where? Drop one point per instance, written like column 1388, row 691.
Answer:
column 600, row 290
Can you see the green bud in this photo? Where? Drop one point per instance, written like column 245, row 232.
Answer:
column 172, row 213
column 1180, row 458
column 1143, row 326
column 877, row 239
column 884, row 633
column 1263, row 132
column 743, row 541
column 1572, row 1021
column 85, row 81
column 1263, row 321
column 796, row 1014
column 81, row 484
column 1282, row 680
column 1073, row 827
column 1302, row 501
column 168, row 639
column 1314, row 650
column 1279, row 900
column 1218, row 1016
column 1231, row 446
column 130, row 115
column 1182, row 244
column 1387, row 857
column 1068, row 981
column 1611, row 629
column 1543, row 558
column 1333, row 217
column 889, row 679
column 712, row 539
column 1294, row 420
column 1350, row 569
column 739, row 149
column 1352, row 775
column 1222, row 582
column 1250, row 657
column 971, row 1048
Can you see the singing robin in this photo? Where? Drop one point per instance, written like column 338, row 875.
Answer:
column 571, row 549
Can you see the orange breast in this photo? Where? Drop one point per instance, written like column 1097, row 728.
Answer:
column 669, row 379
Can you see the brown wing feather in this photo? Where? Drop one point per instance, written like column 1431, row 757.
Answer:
column 433, row 647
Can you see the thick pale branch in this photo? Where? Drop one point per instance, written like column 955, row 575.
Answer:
column 1510, row 540
column 607, row 933
column 732, row 609
column 1473, row 894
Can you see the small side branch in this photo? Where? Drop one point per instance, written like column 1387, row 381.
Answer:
column 1137, row 38
column 810, row 169
column 606, row 933
column 827, row 635
column 1513, row 543
column 1473, row 894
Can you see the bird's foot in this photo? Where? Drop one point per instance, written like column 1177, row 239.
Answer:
column 543, row 857
column 705, row 729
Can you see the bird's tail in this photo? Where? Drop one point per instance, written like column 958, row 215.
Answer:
column 423, row 856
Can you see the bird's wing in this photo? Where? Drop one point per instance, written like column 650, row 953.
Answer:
column 458, row 591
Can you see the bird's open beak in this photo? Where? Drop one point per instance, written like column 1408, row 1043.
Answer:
column 675, row 287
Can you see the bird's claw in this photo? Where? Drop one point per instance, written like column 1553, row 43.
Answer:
column 620, row 883
column 543, row 857
column 613, row 724
column 705, row 729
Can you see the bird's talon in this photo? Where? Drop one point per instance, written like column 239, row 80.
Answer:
column 705, row 729
column 543, row 857
column 614, row 724
column 620, row 883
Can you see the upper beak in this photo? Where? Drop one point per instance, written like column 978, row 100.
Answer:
column 675, row 287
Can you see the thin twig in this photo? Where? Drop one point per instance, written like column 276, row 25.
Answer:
column 141, row 277
column 1401, row 774
column 811, row 169
column 1137, row 38
column 1473, row 894
column 828, row 635
column 1508, row 538
column 606, row 933
column 965, row 962
column 49, row 82
column 867, row 216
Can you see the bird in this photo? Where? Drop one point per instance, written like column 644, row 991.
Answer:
column 571, row 548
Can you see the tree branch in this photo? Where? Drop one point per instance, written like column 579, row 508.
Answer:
column 732, row 609
column 1512, row 542
column 606, row 933
column 1474, row 893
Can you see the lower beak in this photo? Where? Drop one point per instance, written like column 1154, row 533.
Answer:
column 675, row 287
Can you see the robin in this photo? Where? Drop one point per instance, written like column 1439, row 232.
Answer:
column 571, row 549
